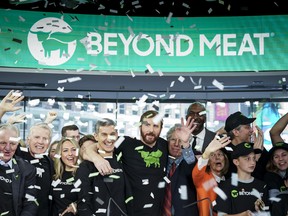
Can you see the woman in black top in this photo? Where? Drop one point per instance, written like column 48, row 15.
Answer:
column 64, row 187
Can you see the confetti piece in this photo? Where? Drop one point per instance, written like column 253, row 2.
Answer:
column 256, row 193
column 167, row 180
column 113, row 11
column 93, row 174
column 34, row 161
column 207, row 185
column 185, row 5
column 172, row 84
column 131, row 31
column 193, row 81
column 234, row 179
column 119, row 141
column 70, row 180
column 55, row 183
column 218, row 84
column 129, row 18
column 17, row 40
column 276, row 199
column 10, row 171
column 60, row 89
column 75, row 190
column 148, row 205
column 145, row 181
column 181, row 79
column 150, row 69
column 139, row 148
column 228, row 148
column 34, row 102
column 77, row 183
column 74, row 79
column 114, row 176
column 218, row 191
column 183, row 192
column 101, row 210
column 160, row 73
column 168, row 20
column 158, row 118
column 210, row 10
column 202, row 113
column 24, row 149
column 172, row 96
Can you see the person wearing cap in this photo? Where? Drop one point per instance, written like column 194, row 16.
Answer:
column 238, row 128
column 208, row 172
column 245, row 194
column 277, row 166
column 201, row 134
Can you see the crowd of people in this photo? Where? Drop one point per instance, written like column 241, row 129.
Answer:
column 194, row 171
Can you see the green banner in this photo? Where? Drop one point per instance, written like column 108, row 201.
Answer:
column 78, row 42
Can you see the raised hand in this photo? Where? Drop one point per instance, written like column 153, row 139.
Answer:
column 216, row 144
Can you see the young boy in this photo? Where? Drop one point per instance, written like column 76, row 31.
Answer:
column 247, row 194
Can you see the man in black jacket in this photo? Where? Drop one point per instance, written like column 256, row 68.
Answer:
column 17, row 177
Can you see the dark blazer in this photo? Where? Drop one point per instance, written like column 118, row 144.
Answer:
column 182, row 176
column 209, row 136
column 23, row 178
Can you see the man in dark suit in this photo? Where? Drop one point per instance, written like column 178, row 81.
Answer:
column 201, row 135
column 180, row 164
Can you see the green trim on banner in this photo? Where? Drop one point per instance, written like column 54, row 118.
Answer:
column 78, row 42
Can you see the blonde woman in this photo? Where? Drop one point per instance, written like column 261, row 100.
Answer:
column 65, row 165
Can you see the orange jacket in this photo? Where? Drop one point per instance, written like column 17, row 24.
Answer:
column 199, row 177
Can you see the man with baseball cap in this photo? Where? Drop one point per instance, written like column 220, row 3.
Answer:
column 241, row 190
column 238, row 128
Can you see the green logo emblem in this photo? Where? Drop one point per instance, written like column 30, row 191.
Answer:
column 247, row 145
column 234, row 193
column 151, row 158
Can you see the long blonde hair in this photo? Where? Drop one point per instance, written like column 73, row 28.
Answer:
column 59, row 166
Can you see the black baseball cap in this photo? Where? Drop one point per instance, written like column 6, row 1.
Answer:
column 236, row 119
column 279, row 145
column 243, row 149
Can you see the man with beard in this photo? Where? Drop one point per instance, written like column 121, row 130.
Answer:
column 201, row 135
column 145, row 161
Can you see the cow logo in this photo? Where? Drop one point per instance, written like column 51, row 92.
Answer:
column 151, row 158
column 49, row 41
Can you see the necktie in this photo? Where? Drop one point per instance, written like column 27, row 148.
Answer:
column 194, row 142
column 168, row 195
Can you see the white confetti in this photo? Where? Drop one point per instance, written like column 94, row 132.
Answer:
column 62, row 81
column 60, row 89
column 256, row 193
column 55, row 183
column 181, row 79
column 34, row 102
column 234, row 179
column 148, row 205
column 74, row 79
column 77, row 183
column 183, row 192
column 10, row 171
column 145, row 181
column 219, row 192
column 119, row 141
column 218, row 84
column 168, row 20
column 158, row 118
column 150, row 69
column 172, row 84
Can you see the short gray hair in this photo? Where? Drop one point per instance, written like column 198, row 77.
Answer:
column 102, row 123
